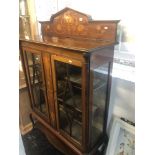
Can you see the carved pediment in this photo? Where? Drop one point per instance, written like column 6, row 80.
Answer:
column 72, row 23
column 69, row 14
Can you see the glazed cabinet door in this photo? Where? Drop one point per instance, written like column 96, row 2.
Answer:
column 36, row 83
column 68, row 86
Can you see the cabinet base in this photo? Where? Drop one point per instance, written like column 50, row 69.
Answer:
column 66, row 149
column 61, row 143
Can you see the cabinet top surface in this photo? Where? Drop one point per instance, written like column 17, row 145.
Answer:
column 69, row 43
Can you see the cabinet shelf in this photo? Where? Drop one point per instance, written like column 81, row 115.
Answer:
column 99, row 80
column 73, row 127
column 76, row 131
column 69, row 103
column 99, row 86
column 75, row 78
column 34, row 65
column 70, row 113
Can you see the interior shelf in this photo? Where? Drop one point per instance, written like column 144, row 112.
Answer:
column 36, row 64
column 77, row 102
column 75, row 78
column 99, row 83
column 73, row 129
column 69, row 103
column 76, row 131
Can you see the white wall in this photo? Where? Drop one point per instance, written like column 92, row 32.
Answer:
column 98, row 9
column 45, row 8
column 21, row 146
column 122, row 100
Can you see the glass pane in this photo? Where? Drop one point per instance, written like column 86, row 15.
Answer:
column 35, row 70
column 100, row 78
column 68, row 81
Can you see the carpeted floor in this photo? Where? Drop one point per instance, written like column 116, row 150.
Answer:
column 35, row 143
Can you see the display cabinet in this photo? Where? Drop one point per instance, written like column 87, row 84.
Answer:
column 68, row 73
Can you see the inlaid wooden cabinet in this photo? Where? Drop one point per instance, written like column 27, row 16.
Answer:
column 68, row 73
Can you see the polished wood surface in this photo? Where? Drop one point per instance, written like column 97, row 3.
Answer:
column 73, row 39
column 49, row 86
column 78, row 45
column 71, row 23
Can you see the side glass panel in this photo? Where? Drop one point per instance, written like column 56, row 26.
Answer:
column 68, row 83
column 37, row 86
column 99, row 78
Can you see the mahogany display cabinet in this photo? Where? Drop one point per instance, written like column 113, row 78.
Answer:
column 68, row 73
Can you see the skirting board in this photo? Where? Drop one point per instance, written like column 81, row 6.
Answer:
column 25, row 129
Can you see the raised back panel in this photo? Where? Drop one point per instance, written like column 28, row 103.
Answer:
column 74, row 24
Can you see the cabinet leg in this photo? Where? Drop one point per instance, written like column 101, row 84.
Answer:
column 102, row 149
column 32, row 121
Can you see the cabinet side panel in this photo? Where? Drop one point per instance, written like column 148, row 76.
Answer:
column 100, row 84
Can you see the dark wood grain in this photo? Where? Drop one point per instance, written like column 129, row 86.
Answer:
column 71, row 23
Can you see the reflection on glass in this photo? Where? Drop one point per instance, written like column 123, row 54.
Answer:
column 100, row 77
column 35, row 71
column 68, row 81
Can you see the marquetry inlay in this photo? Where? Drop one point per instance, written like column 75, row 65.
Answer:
column 74, row 24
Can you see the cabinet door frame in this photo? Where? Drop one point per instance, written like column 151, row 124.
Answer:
column 46, row 57
column 25, row 50
column 81, row 64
